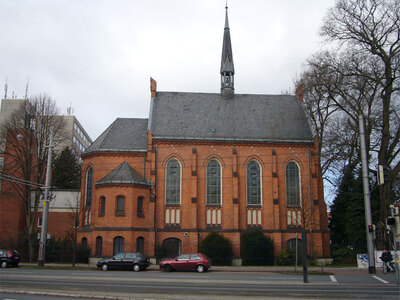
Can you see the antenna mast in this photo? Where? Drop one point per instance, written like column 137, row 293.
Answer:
column 26, row 90
column 5, row 89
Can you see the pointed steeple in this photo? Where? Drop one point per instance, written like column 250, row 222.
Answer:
column 227, row 68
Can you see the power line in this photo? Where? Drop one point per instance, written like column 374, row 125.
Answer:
column 20, row 181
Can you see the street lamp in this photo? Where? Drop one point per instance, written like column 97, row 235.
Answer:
column 46, row 203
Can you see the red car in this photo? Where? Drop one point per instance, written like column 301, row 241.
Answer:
column 184, row 262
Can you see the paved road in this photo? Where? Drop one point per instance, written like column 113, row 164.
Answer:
column 184, row 285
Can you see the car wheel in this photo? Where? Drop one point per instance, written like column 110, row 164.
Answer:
column 136, row 267
column 104, row 267
column 200, row 268
column 167, row 268
column 3, row 264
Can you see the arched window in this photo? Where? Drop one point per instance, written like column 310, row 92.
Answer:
column 99, row 246
column 102, row 209
column 213, row 182
column 139, row 209
column 253, row 183
column 89, row 187
column 84, row 242
column 119, row 243
column 120, row 206
column 292, row 184
column 140, row 244
column 173, row 182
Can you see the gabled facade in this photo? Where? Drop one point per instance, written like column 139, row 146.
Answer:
column 201, row 163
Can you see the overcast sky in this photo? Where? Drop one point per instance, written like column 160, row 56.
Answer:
column 98, row 56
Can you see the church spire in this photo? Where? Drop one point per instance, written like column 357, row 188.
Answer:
column 227, row 68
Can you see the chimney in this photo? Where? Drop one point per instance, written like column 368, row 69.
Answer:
column 300, row 92
column 153, row 88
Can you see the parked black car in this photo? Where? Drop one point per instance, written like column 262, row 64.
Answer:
column 125, row 261
column 9, row 258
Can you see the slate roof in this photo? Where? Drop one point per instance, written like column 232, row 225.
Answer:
column 208, row 116
column 123, row 174
column 123, row 135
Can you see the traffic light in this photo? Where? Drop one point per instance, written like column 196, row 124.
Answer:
column 370, row 228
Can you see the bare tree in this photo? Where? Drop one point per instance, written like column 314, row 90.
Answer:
column 27, row 133
column 371, row 30
column 73, row 205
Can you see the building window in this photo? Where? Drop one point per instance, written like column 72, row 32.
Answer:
column 119, row 243
column 140, row 207
column 172, row 216
column 84, row 242
column 120, row 209
column 292, row 184
column 39, row 222
column 140, row 244
column 253, row 183
column 102, row 209
column 213, row 183
column 173, row 182
column 87, row 217
column 89, row 187
column 99, row 246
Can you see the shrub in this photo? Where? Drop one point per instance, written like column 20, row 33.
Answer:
column 82, row 254
column 217, row 248
column 257, row 249
column 283, row 258
column 160, row 253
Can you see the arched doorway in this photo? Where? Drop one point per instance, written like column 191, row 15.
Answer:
column 172, row 247
column 140, row 244
column 118, row 246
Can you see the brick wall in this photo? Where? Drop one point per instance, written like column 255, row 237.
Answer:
column 233, row 212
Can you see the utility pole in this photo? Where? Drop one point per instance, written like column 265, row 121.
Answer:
column 46, row 203
column 367, row 202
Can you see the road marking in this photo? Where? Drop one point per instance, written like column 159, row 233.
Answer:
column 333, row 278
column 380, row 279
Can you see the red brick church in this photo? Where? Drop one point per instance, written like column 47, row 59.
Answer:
column 201, row 163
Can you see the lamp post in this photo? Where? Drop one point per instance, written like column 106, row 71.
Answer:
column 367, row 203
column 46, row 203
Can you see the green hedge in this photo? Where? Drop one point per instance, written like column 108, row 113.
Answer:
column 218, row 249
column 256, row 249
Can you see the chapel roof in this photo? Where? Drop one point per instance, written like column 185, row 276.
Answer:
column 123, row 174
column 123, row 135
column 209, row 116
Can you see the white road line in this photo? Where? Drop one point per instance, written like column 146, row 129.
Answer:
column 333, row 278
column 380, row 279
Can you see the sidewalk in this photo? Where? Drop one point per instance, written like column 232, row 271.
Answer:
column 272, row 269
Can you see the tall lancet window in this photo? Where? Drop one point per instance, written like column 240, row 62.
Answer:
column 89, row 187
column 173, row 182
column 213, row 182
column 292, row 184
column 253, row 183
